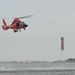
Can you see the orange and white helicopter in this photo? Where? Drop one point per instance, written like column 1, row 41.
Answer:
column 16, row 24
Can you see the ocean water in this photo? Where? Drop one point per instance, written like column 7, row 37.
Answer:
column 43, row 68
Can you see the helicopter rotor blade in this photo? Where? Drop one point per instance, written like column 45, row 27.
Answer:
column 23, row 17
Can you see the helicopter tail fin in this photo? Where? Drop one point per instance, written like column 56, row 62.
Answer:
column 4, row 25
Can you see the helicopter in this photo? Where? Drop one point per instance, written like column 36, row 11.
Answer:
column 16, row 25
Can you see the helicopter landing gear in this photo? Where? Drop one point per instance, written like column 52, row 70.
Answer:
column 20, row 30
column 24, row 28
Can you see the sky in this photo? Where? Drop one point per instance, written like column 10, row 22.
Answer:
column 41, row 41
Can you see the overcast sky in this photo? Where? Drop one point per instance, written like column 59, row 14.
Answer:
column 51, row 20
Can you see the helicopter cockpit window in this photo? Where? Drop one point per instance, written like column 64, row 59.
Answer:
column 22, row 23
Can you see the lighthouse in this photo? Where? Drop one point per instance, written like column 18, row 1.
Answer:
column 62, row 49
column 62, row 43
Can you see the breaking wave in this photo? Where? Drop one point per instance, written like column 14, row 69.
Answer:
column 34, row 69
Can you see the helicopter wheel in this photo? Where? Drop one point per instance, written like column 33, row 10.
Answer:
column 20, row 30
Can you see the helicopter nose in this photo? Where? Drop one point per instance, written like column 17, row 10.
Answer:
column 26, row 25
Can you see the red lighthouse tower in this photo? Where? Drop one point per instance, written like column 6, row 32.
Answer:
column 62, row 43
column 62, row 49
